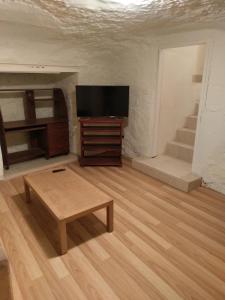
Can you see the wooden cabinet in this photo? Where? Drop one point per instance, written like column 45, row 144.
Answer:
column 101, row 141
column 58, row 139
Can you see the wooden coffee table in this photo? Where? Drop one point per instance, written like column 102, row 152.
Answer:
column 67, row 196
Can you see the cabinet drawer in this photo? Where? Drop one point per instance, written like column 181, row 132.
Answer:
column 58, row 138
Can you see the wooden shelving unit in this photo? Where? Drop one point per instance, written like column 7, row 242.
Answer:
column 17, row 157
column 101, row 141
column 47, row 136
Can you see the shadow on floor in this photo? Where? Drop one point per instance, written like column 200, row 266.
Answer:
column 44, row 228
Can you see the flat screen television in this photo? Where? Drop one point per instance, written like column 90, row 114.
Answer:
column 102, row 101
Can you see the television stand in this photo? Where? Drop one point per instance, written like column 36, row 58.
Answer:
column 101, row 141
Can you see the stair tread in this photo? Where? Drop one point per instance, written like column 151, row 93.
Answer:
column 170, row 170
column 181, row 145
column 193, row 116
column 187, row 129
column 168, row 164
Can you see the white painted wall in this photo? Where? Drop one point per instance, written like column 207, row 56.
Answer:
column 210, row 143
column 135, row 62
column 138, row 66
column 178, row 92
column 30, row 45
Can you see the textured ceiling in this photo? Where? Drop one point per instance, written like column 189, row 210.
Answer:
column 84, row 18
column 100, row 23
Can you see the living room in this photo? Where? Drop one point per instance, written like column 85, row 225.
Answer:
column 108, row 225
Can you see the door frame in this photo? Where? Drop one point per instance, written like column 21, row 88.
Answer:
column 205, row 78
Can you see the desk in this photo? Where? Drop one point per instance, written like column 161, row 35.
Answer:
column 47, row 137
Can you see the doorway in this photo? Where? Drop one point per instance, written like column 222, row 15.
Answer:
column 179, row 87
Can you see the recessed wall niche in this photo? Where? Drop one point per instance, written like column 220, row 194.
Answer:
column 11, row 102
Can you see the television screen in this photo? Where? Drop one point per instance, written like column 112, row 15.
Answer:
column 100, row 101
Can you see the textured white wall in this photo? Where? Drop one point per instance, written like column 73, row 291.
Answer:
column 178, row 93
column 134, row 61
column 138, row 65
column 209, row 158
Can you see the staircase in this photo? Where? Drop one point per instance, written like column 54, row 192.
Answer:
column 183, row 145
column 174, row 167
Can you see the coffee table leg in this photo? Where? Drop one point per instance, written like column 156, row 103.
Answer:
column 109, row 209
column 27, row 192
column 62, row 237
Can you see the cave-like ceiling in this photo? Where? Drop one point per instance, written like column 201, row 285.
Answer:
column 99, row 17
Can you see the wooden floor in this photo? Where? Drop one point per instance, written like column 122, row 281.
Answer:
column 166, row 244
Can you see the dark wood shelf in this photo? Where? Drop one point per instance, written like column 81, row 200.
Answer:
column 28, row 129
column 101, row 141
column 20, row 156
column 103, row 121
column 100, row 161
column 47, row 136
column 24, row 124
column 43, row 98
column 93, row 129
column 101, row 147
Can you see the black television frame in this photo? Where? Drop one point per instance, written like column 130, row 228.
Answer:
column 102, row 110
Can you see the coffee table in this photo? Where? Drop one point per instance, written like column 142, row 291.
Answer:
column 67, row 196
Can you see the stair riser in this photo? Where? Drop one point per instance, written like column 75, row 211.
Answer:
column 179, row 152
column 191, row 123
column 185, row 137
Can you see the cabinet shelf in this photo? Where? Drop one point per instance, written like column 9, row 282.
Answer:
column 99, row 128
column 101, row 147
column 100, row 161
column 101, row 142
column 26, row 124
column 43, row 98
column 20, row 156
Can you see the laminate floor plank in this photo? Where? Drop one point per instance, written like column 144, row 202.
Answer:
column 166, row 244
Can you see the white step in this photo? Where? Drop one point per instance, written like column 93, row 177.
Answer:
column 180, row 151
column 185, row 136
column 191, row 122
column 169, row 170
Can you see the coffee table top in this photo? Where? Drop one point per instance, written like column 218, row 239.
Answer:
column 65, row 193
